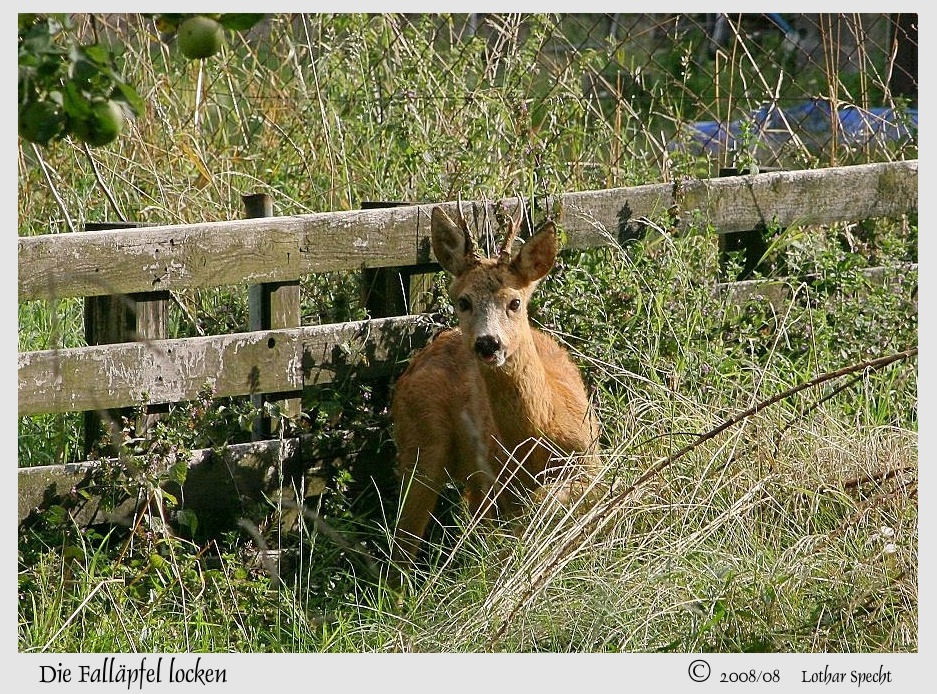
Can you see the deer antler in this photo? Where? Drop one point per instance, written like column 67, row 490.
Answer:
column 514, row 225
column 471, row 243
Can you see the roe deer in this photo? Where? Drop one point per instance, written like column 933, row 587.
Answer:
column 488, row 404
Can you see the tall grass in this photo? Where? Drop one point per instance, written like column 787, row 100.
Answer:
column 793, row 530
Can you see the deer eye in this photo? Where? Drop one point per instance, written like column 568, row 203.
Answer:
column 514, row 305
column 465, row 304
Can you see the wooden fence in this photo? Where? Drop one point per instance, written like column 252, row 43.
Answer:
column 278, row 357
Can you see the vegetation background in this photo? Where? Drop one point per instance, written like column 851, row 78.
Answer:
column 794, row 531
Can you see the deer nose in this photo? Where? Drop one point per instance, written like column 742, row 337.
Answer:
column 487, row 345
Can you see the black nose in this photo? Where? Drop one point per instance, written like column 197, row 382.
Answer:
column 487, row 345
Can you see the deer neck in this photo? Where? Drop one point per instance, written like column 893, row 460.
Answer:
column 518, row 395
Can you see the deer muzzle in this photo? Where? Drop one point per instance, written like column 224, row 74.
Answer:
column 488, row 349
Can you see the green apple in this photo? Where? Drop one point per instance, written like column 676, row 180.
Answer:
column 41, row 121
column 104, row 124
column 200, row 37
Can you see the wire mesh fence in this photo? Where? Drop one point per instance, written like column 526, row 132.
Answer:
column 432, row 105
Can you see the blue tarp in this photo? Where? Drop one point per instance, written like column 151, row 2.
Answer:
column 811, row 122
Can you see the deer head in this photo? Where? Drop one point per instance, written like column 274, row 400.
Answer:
column 490, row 295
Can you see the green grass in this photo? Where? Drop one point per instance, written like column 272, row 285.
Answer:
column 794, row 530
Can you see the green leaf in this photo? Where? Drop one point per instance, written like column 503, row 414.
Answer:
column 239, row 22
column 73, row 552
column 178, row 472
column 719, row 613
column 126, row 94
column 100, row 55
column 188, row 520
column 55, row 515
column 172, row 18
column 75, row 103
column 168, row 498
column 26, row 20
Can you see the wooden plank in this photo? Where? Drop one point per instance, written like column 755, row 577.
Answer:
column 815, row 196
column 266, row 361
column 154, row 371
column 217, row 480
column 779, row 292
column 281, row 249
column 209, row 254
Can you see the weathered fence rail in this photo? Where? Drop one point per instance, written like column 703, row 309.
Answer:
column 164, row 371
column 264, row 250
column 277, row 249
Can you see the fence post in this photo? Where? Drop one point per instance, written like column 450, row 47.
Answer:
column 271, row 305
column 751, row 241
column 117, row 318
column 904, row 74
column 395, row 291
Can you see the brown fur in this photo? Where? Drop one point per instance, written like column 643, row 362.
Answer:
column 485, row 418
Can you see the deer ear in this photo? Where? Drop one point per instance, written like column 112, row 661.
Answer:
column 537, row 255
column 449, row 243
